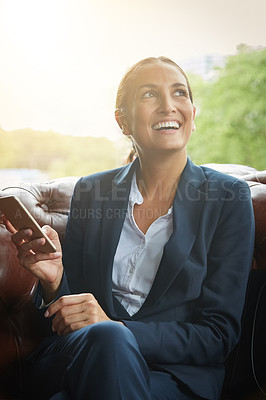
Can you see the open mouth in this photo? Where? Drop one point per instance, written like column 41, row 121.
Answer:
column 162, row 126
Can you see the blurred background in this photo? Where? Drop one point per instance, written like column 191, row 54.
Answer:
column 62, row 60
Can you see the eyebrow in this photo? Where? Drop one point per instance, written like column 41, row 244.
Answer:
column 153, row 86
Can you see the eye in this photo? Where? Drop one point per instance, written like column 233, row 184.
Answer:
column 149, row 94
column 180, row 92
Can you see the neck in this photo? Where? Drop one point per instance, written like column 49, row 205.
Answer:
column 158, row 176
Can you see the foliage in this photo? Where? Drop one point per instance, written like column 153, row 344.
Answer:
column 230, row 121
column 55, row 154
column 231, row 118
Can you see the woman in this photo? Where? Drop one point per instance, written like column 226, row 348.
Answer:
column 148, row 300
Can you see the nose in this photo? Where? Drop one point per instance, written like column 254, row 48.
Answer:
column 167, row 105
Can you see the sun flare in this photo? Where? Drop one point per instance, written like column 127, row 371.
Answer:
column 35, row 26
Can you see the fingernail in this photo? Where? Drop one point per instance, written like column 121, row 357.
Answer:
column 40, row 241
column 57, row 254
column 46, row 314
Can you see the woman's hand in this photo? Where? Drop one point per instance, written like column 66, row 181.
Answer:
column 45, row 266
column 74, row 312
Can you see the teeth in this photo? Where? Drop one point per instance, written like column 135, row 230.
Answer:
column 168, row 124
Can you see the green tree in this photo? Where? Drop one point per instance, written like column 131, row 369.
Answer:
column 231, row 123
column 56, row 154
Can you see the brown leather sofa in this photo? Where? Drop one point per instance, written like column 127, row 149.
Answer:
column 21, row 327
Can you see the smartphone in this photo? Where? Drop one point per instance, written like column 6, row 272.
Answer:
column 15, row 211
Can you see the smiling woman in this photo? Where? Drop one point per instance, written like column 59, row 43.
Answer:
column 154, row 107
column 155, row 264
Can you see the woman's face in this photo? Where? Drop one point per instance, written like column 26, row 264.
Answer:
column 160, row 115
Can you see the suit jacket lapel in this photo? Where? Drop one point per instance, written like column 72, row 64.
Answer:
column 114, row 212
column 188, row 205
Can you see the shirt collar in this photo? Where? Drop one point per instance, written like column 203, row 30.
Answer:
column 135, row 195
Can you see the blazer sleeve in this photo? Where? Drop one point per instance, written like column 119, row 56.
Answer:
column 214, row 330
column 72, row 252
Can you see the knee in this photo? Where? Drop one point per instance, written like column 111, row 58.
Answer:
column 111, row 332
column 105, row 337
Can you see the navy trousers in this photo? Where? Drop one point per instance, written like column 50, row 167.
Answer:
column 98, row 362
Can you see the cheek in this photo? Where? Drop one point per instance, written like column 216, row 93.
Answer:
column 138, row 119
column 189, row 114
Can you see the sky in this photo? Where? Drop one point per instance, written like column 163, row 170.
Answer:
column 62, row 60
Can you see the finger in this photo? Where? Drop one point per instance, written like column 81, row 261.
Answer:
column 35, row 246
column 67, row 301
column 66, row 315
column 51, row 233
column 74, row 313
column 8, row 225
column 69, row 322
column 87, row 313
column 71, row 318
column 28, row 256
column 73, row 327
column 21, row 236
column 34, row 258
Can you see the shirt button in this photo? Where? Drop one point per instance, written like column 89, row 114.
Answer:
column 131, row 270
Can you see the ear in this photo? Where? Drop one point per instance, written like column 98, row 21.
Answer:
column 193, row 119
column 122, row 122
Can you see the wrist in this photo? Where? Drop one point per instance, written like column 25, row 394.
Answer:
column 50, row 291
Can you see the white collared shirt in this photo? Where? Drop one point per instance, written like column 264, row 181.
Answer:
column 138, row 255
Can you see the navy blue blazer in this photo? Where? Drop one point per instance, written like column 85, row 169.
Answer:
column 191, row 319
